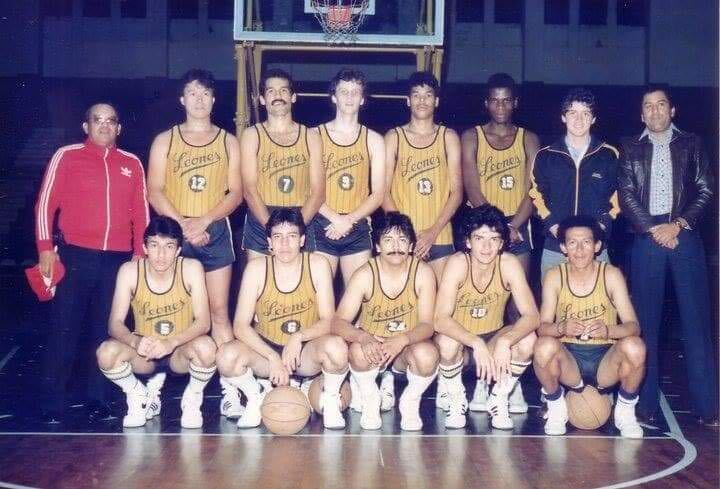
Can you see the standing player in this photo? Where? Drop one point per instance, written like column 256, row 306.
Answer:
column 497, row 163
column 170, row 307
column 395, row 295
column 282, row 163
column 354, row 159
column 423, row 172
column 194, row 178
column 469, row 315
column 580, row 336
column 290, row 294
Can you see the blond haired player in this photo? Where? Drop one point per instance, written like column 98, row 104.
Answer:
column 395, row 296
column 170, row 307
column 354, row 159
column 282, row 323
column 281, row 164
column 469, row 318
column 194, row 178
column 580, row 336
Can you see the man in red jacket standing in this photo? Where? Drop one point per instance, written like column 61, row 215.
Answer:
column 99, row 192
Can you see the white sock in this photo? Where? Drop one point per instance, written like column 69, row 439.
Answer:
column 417, row 384
column 366, row 381
column 332, row 382
column 246, row 383
column 199, row 376
column 506, row 385
column 451, row 375
column 122, row 376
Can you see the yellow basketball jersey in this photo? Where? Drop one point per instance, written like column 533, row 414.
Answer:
column 421, row 184
column 595, row 305
column 481, row 311
column 347, row 171
column 502, row 172
column 283, row 171
column 161, row 314
column 387, row 316
column 280, row 314
column 196, row 176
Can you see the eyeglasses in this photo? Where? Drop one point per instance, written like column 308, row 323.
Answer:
column 111, row 121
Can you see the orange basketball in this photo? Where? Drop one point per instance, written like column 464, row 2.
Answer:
column 316, row 388
column 285, row 410
column 588, row 409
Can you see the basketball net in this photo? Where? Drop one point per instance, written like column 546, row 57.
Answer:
column 340, row 20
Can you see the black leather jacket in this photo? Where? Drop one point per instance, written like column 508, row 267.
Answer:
column 692, row 180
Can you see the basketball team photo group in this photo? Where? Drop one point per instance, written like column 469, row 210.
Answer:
column 299, row 303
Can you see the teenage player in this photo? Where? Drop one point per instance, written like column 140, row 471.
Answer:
column 282, row 163
column 474, row 291
column 290, row 294
column 580, row 336
column 170, row 308
column 395, row 295
column 354, row 159
column 194, row 178
column 423, row 172
column 497, row 163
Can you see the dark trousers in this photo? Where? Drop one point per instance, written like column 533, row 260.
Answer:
column 686, row 264
column 81, row 307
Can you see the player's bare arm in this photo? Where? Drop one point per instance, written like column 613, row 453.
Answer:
column 317, row 177
column 391, row 150
column 378, row 181
column 156, row 177
column 426, row 237
column 525, row 209
column 470, row 175
column 514, row 278
column 249, row 144
column 124, row 290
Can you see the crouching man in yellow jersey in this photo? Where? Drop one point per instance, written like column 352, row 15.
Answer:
column 580, row 336
column 474, row 291
column 288, row 298
column 395, row 295
column 172, row 318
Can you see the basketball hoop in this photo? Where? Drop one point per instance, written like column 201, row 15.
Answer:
column 340, row 19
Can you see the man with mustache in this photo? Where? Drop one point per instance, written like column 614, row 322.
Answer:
column 194, row 178
column 395, row 296
column 281, row 164
column 282, row 323
column 588, row 330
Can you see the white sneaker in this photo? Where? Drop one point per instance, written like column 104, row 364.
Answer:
column 409, row 413
column 456, row 414
column 497, row 407
column 305, row 386
column 230, row 405
column 370, row 418
column 442, row 397
column 355, row 398
column 480, row 397
column 190, row 405
column 557, row 417
column 137, row 402
column 154, row 385
column 332, row 415
column 518, row 405
column 387, row 391
column 625, row 420
column 252, row 417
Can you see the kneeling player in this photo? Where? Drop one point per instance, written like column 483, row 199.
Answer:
column 395, row 294
column 471, row 303
column 291, row 295
column 170, row 307
column 579, row 334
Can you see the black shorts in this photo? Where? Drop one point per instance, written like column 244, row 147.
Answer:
column 219, row 252
column 357, row 240
column 255, row 236
column 588, row 358
column 439, row 251
column 521, row 247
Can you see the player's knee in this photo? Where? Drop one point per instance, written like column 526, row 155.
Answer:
column 546, row 348
column 336, row 351
column 357, row 357
column 523, row 350
column 448, row 348
column 204, row 350
column 228, row 358
column 107, row 354
column 424, row 357
column 633, row 348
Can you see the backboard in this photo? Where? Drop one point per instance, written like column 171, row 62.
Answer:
column 386, row 22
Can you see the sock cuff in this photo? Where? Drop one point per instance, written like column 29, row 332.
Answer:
column 578, row 388
column 450, row 371
column 202, row 374
column 342, row 374
column 359, row 373
column 554, row 396
column 627, row 397
column 518, row 367
column 412, row 375
column 120, row 372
